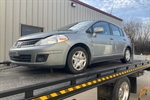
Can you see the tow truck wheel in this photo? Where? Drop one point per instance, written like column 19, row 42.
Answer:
column 127, row 56
column 121, row 89
column 77, row 60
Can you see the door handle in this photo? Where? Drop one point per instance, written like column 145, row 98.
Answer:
column 124, row 39
column 111, row 38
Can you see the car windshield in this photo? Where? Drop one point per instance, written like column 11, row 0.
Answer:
column 75, row 26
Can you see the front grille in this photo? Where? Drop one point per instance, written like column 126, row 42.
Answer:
column 26, row 42
column 21, row 58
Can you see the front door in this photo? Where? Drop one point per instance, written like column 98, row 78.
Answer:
column 102, row 42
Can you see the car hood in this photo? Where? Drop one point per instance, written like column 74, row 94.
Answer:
column 45, row 34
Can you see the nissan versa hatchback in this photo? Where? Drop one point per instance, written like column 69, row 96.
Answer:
column 73, row 47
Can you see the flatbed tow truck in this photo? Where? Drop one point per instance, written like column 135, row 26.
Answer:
column 114, row 81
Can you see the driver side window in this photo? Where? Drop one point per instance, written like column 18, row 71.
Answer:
column 104, row 25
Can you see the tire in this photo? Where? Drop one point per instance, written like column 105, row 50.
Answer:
column 121, row 89
column 77, row 60
column 127, row 56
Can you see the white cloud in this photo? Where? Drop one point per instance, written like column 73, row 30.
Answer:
column 146, row 20
column 125, row 9
column 108, row 5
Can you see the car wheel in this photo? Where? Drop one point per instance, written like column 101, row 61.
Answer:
column 77, row 60
column 127, row 56
column 122, row 89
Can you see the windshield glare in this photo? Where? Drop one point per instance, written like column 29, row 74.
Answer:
column 75, row 26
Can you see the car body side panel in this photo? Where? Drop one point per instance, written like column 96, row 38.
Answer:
column 83, row 38
column 120, row 44
column 102, row 45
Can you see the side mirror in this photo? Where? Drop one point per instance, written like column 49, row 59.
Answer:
column 97, row 30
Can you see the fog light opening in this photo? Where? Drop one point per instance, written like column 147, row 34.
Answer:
column 41, row 58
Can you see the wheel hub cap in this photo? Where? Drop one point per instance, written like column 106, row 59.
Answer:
column 79, row 60
column 127, row 55
column 123, row 91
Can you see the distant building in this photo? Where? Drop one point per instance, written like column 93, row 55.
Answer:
column 22, row 17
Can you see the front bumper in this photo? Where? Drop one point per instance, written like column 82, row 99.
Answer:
column 27, row 56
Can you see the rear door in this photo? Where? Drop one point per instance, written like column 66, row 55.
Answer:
column 119, row 40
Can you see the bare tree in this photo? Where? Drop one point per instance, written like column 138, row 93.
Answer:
column 139, row 33
column 132, row 28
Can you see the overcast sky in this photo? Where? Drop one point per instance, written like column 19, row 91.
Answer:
column 124, row 9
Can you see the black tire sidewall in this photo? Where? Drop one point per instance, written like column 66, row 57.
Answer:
column 117, row 87
column 124, row 60
column 69, row 60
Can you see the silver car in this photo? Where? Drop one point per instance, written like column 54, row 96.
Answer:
column 73, row 47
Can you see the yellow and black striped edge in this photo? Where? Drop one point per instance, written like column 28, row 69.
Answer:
column 89, row 83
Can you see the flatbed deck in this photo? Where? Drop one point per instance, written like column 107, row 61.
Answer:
column 20, row 77
column 15, row 77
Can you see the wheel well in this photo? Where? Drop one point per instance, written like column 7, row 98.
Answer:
column 84, row 47
column 129, row 49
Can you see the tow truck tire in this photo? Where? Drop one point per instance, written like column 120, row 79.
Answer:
column 127, row 56
column 77, row 60
column 121, row 89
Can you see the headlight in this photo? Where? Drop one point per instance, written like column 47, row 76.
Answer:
column 52, row 39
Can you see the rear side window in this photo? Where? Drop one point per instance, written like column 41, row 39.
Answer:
column 115, row 30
